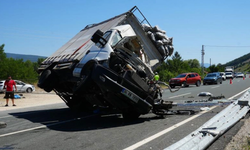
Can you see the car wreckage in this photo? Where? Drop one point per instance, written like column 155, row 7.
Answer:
column 110, row 65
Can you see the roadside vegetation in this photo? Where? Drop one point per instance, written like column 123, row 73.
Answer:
column 17, row 68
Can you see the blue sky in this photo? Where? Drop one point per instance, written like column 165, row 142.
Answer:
column 39, row 27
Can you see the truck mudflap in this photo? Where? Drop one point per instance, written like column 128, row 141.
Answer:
column 120, row 92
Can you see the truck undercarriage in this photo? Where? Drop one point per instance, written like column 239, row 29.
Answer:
column 114, row 70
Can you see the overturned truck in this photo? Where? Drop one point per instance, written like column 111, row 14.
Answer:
column 110, row 65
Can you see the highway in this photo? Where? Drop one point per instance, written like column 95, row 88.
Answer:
column 57, row 127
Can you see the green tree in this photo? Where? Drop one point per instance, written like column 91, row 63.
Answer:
column 213, row 68
column 3, row 73
column 176, row 64
column 193, row 63
column 18, row 69
column 38, row 63
column 165, row 75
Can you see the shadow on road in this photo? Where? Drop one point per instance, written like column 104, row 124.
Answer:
column 66, row 120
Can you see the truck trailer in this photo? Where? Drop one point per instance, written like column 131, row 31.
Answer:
column 110, row 65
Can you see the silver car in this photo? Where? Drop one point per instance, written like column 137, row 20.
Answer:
column 21, row 86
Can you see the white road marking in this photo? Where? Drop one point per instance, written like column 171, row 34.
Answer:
column 178, row 95
column 44, row 126
column 215, row 87
column 144, row 141
column 136, row 145
column 239, row 93
column 5, row 117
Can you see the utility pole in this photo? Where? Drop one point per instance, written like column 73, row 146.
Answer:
column 202, row 60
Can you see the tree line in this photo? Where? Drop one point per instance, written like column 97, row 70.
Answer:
column 18, row 69
column 176, row 65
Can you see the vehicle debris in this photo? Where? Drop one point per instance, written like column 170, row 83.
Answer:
column 216, row 126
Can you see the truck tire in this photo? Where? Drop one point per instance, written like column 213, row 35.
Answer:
column 47, row 80
column 86, row 74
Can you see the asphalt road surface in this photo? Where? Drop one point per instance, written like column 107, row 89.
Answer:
column 56, row 127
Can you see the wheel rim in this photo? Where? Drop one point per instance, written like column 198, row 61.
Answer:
column 29, row 90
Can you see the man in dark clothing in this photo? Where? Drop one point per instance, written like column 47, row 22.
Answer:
column 8, row 85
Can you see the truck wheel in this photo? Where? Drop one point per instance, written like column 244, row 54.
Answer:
column 130, row 115
column 47, row 80
column 86, row 76
column 198, row 83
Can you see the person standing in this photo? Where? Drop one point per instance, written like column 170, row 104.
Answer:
column 8, row 85
column 156, row 79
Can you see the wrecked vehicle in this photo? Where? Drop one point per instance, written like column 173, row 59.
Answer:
column 110, row 65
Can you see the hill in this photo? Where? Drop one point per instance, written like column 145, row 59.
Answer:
column 32, row 58
column 240, row 64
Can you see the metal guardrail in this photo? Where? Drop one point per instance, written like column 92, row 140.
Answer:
column 215, row 127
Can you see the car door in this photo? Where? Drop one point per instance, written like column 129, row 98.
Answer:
column 189, row 79
column 20, row 86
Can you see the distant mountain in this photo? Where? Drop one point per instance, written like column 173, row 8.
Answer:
column 206, row 65
column 240, row 64
column 32, row 58
column 241, row 60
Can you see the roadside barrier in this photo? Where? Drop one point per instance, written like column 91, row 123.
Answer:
column 216, row 126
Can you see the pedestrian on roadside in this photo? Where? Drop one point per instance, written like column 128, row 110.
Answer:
column 9, row 93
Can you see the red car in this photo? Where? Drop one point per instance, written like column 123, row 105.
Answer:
column 185, row 79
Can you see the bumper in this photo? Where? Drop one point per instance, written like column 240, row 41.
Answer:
column 175, row 83
column 210, row 81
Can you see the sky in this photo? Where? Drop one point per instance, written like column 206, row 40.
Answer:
column 40, row 27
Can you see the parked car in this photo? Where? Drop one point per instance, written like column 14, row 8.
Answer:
column 212, row 78
column 185, row 79
column 21, row 86
column 229, row 75
column 223, row 75
column 239, row 75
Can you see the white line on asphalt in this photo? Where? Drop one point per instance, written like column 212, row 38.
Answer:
column 140, row 143
column 44, row 126
column 239, row 93
column 215, row 87
column 136, row 145
column 178, row 95
column 5, row 117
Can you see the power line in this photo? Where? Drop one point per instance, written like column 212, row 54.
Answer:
column 224, row 46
